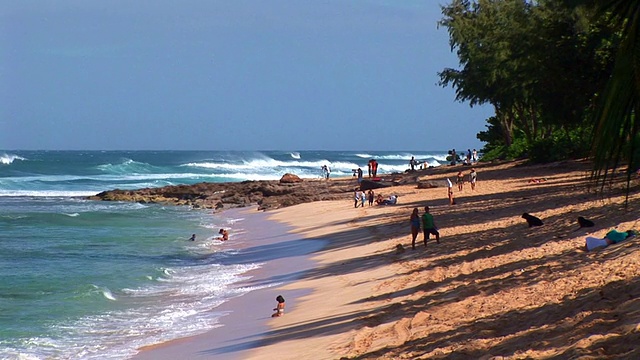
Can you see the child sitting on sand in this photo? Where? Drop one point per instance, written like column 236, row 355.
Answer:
column 279, row 310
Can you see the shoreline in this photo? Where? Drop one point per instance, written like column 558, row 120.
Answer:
column 493, row 289
column 247, row 315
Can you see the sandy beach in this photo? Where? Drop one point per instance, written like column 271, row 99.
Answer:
column 492, row 289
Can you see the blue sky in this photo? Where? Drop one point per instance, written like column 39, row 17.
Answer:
column 229, row 75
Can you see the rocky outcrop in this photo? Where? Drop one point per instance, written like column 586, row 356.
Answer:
column 289, row 190
column 290, row 179
column 220, row 196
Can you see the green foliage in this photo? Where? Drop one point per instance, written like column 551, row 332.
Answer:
column 559, row 146
column 539, row 63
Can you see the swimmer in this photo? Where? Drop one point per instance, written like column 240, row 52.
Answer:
column 224, row 235
column 193, row 237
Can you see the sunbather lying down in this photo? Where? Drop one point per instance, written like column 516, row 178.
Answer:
column 392, row 200
column 612, row 237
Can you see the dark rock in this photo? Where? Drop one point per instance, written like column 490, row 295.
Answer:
column 290, row 179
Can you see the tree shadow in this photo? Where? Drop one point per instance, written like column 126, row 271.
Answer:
column 556, row 328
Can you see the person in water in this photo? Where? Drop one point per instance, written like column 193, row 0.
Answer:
column 279, row 309
column 193, row 237
column 224, row 235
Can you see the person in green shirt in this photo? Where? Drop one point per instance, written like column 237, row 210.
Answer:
column 429, row 226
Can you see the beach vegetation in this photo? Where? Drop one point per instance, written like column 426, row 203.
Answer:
column 540, row 64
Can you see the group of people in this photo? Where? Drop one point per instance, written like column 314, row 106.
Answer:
column 326, row 171
column 470, row 158
column 373, row 168
column 361, row 197
column 473, row 178
column 224, row 235
column 424, row 223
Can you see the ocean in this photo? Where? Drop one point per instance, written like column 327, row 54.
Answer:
column 82, row 279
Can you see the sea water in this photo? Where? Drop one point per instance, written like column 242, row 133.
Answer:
column 83, row 279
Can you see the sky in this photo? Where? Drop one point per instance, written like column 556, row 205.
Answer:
column 229, row 75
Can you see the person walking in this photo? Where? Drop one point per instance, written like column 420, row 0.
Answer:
column 473, row 177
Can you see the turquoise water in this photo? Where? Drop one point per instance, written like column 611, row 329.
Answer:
column 84, row 279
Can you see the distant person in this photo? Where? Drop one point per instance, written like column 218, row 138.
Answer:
column 374, row 168
column 454, row 157
column 356, row 197
column 474, row 155
column 224, row 235
column 363, row 198
column 429, row 226
column 392, row 200
column 369, row 166
column 612, row 237
column 469, row 156
column 193, row 237
column 473, row 177
column 460, row 180
column 328, row 172
column 415, row 227
column 279, row 309
column 371, row 197
column 450, row 192
column 412, row 163
column 359, row 175
column 379, row 199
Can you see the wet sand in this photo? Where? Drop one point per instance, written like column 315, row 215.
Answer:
column 493, row 289
column 284, row 256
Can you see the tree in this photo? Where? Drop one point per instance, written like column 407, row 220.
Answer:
column 616, row 139
column 539, row 63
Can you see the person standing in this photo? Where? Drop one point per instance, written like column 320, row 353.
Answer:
column 371, row 197
column 474, row 156
column 460, row 180
column 450, row 192
column 415, row 227
column 429, row 226
column 359, row 171
column 374, row 168
column 412, row 163
column 370, row 165
column 356, row 197
column 363, row 197
column 473, row 177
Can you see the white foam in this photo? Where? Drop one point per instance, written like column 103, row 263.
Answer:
column 48, row 193
column 7, row 159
